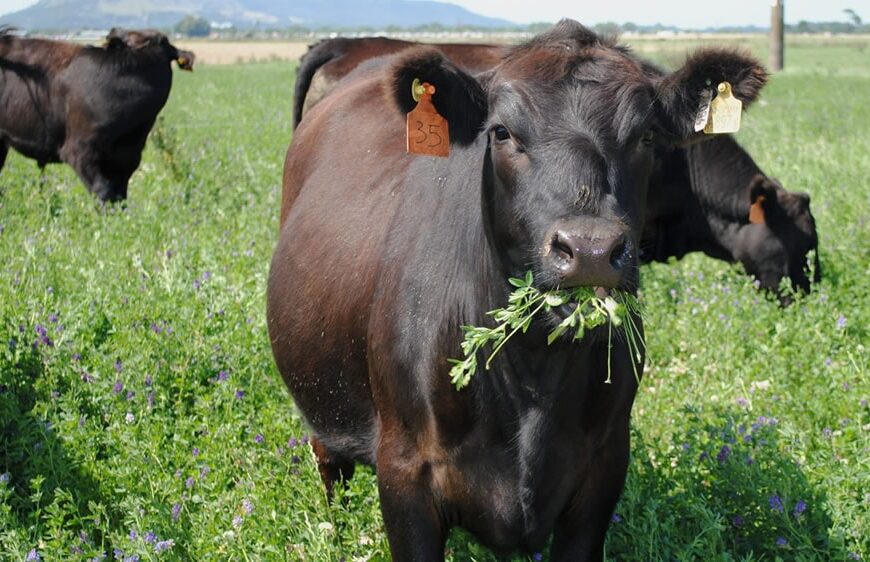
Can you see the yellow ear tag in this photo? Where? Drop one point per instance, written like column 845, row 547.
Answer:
column 426, row 130
column 725, row 112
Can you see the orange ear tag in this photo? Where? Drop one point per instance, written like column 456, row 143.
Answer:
column 756, row 211
column 426, row 130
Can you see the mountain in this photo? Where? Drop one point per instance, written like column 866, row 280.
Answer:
column 101, row 14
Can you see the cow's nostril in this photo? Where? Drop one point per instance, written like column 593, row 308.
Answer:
column 619, row 254
column 561, row 248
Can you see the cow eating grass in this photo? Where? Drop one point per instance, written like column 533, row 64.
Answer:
column 90, row 107
column 383, row 256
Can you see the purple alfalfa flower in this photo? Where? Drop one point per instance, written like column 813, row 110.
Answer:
column 189, row 482
column 258, row 438
column 206, row 275
column 292, row 442
column 76, row 549
column 247, row 506
column 304, row 440
column 854, row 556
column 130, row 395
column 83, row 536
column 133, row 534
column 237, row 521
column 240, row 394
column 295, row 459
column 799, row 508
column 53, row 318
column 32, row 556
column 76, row 357
column 841, row 322
column 827, row 432
column 118, row 366
column 781, row 542
column 98, row 558
column 723, row 454
column 742, row 402
column 40, row 330
column 132, row 558
column 87, row 377
column 163, row 546
column 738, row 521
column 616, row 518
column 828, row 361
column 203, row 472
column 846, row 386
column 150, row 537
column 148, row 380
column 864, row 403
column 4, row 478
column 176, row 511
column 703, row 456
column 776, row 503
column 196, row 284
column 537, row 557
column 195, row 452
column 222, row 376
column 155, row 328
column 118, row 387
column 118, row 553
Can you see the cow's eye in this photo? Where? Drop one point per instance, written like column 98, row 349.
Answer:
column 648, row 137
column 501, row 133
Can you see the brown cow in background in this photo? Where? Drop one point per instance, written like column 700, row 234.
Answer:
column 90, row 107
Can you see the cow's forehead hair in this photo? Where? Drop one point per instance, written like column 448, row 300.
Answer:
column 608, row 111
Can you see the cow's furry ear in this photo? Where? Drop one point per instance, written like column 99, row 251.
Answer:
column 458, row 97
column 680, row 94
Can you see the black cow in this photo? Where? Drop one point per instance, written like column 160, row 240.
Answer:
column 383, row 256
column 699, row 198
column 712, row 197
column 90, row 107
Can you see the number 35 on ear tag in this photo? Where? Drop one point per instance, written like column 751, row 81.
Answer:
column 427, row 131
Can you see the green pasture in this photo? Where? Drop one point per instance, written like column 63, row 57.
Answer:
column 141, row 415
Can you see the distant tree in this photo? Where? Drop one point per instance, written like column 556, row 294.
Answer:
column 193, row 26
column 607, row 28
column 803, row 27
column 856, row 19
column 629, row 27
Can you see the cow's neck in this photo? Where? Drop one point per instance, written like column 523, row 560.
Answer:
column 720, row 173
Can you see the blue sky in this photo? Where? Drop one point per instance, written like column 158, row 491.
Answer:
column 684, row 13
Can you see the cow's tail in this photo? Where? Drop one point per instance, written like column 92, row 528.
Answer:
column 317, row 55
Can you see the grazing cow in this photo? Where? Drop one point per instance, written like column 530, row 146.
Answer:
column 700, row 196
column 383, row 256
column 90, row 107
column 712, row 197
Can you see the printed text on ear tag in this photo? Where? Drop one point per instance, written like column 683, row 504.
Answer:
column 426, row 130
column 725, row 112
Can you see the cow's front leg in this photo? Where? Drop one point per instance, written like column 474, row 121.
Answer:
column 581, row 528
column 85, row 160
column 414, row 528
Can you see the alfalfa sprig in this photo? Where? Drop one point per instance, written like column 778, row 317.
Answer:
column 525, row 301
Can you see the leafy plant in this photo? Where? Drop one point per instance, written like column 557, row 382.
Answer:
column 589, row 311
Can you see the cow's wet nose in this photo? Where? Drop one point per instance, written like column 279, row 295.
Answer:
column 597, row 255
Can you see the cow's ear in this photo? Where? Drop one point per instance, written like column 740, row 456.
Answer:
column 458, row 97
column 762, row 194
column 681, row 94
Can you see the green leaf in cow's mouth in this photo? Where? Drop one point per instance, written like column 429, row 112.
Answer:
column 585, row 311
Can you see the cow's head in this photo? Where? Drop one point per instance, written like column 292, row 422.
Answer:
column 151, row 40
column 569, row 122
column 776, row 243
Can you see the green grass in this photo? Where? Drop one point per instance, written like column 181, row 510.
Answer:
column 127, row 413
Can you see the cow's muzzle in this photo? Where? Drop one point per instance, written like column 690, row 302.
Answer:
column 590, row 252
